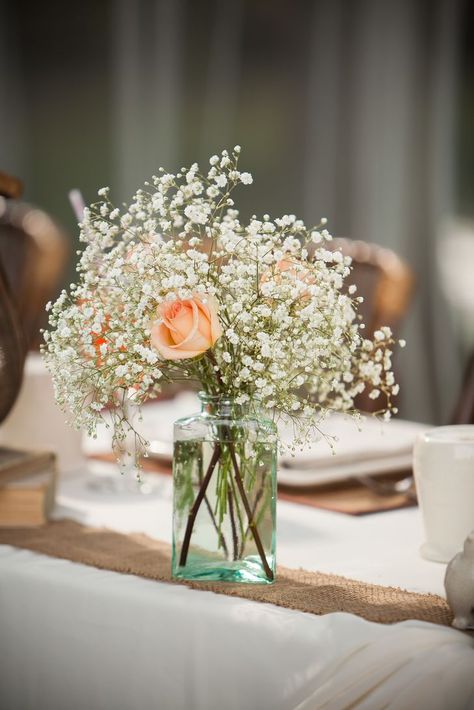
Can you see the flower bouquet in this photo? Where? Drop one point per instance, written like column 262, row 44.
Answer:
column 174, row 288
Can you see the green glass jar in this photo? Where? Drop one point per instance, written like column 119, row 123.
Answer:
column 224, row 501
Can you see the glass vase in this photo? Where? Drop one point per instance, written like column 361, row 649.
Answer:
column 224, row 500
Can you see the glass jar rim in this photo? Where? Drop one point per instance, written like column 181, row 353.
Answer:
column 206, row 397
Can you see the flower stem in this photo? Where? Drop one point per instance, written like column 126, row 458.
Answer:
column 222, row 541
column 197, row 504
column 258, row 498
column 238, row 480
column 235, row 539
column 252, row 526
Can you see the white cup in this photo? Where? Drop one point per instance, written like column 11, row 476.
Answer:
column 443, row 465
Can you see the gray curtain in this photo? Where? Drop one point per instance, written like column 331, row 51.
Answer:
column 377, row 136
column 380, row 156
column 344, row 109
column 13, row 143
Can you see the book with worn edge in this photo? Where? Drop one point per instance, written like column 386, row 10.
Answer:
column 27, row 487
column 16, row 464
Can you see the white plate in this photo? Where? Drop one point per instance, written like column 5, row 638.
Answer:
column 320, row 475
column 370, row 447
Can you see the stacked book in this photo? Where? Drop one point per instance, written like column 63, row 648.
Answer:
column 27, row 487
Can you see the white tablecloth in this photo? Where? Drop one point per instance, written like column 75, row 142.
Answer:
column 77, row 638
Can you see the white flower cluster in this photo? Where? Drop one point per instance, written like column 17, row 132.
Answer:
column 291, row 340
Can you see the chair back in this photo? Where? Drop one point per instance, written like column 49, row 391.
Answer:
column 33, row 253
column 12, row 349
column 464, row 409
column 383, row 279
column 386, row 283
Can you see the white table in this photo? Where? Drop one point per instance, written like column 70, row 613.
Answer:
column 75, row 638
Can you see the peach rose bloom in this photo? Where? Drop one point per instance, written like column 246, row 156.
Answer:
column 187, row 329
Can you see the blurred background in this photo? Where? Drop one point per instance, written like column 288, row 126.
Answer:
column 361, row 111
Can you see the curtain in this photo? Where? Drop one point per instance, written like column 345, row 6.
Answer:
column 380, row 156
column 374, row 123
column 343, row 108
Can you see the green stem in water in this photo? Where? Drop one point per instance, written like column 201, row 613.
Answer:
column 220, row 536
column 197, row 504
column 222, row 542
column 252, row 525
column 235, row 539
column 239, row 482
column 243, row 496
column 258, row 498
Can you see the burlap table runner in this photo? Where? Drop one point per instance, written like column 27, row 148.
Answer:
column 312, row 592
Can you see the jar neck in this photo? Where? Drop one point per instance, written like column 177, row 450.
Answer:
column 220, row 405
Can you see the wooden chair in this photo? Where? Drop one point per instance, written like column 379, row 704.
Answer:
column 12, row 349
column 464, row 410
column 386, row 283
column 10, row 186
column 33, row 252
column 12, row 341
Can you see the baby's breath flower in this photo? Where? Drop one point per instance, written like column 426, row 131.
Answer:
column 290, row 340
column 246, row 178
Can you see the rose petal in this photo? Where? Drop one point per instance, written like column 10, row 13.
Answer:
column 216, row 328
column 184, row 323
column 161, row 340
column 204, row 321
column 188, row 328
column 198, row 342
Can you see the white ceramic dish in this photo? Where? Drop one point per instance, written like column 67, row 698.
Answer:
column 376, row 449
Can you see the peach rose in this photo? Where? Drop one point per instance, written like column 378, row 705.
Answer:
column 187, row 328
